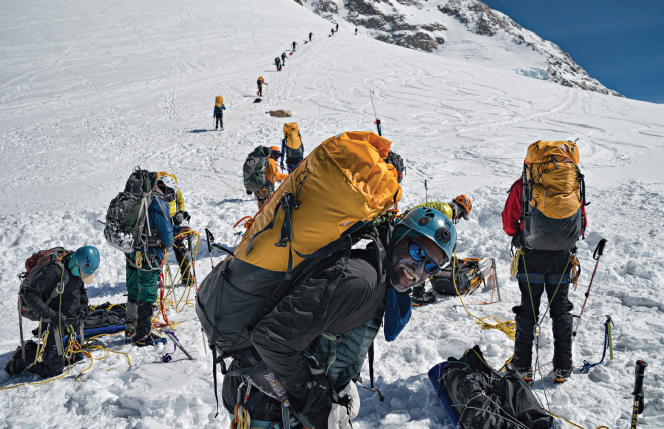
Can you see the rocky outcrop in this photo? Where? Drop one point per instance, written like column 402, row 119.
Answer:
column 390, row 21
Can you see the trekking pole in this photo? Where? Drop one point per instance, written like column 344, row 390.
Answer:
column 210, row 239
column 426, row 192
column 375, row 116
column 638, row 392
column 609, row 323
column 597, row 256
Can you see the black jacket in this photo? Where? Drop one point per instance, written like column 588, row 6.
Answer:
column 282, row 335
column 73, row 302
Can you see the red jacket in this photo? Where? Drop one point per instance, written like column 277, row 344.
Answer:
column 512, row 211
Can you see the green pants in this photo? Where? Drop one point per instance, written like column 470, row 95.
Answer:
column 142, row 285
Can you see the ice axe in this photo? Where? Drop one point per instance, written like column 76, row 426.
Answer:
column 167, row 357
column 638, row 392
column 596, row 256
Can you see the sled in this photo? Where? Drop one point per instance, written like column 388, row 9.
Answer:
column 290, row 53
column 445, row 402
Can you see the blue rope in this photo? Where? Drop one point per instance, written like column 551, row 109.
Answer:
column 587, row 365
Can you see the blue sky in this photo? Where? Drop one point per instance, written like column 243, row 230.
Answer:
column 619, row 43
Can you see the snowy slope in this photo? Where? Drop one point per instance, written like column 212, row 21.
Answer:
column 89, row 90
column 462, row 29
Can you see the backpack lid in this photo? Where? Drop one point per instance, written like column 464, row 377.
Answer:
column 541, row 151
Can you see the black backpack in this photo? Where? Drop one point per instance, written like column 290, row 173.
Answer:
column 34, row 267
column 253, row 170
column 469, row 273
column 127, row 216
column 396, row 160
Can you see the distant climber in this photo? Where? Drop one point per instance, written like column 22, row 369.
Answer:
column 356, row 31
column 277, row 62
column 291, row 147
column 283, row 59
column 294, row 45
column 260, row 82
column 218, row 113
column 337, row 29
column 457, row 209
column 310, row 34
column 332, row 34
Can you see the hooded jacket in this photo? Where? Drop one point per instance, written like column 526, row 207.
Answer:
column 72, row 303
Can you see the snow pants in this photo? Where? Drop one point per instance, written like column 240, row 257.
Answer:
column 532, row 286
column 142, row 285
column 180, row 246
column 218, row 121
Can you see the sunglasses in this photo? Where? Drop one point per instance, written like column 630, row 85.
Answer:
column 418, row 254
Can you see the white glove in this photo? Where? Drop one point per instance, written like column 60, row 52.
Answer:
column 341, row 415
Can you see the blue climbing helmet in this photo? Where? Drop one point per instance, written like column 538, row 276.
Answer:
column 86, row 258
column 432, row 224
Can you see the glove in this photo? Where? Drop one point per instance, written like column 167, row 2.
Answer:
column 185, row 229
column 517, row 239
column 282, row 165
column 348, row 408
column 178, row 218
column 83, row 312
column 313, row 399
column 186, row 216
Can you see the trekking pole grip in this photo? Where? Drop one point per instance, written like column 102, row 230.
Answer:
column 599, row 250
column 638, row 382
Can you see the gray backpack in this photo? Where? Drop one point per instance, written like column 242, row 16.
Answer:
column 127, row 226
column 253, row 171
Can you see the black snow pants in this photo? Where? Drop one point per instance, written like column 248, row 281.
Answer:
column 218, row 120
column 180, row 247
column 545, row 270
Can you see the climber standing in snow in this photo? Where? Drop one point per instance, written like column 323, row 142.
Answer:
column 277, row 62
column 546, row 249
column 310, row 34
column 356, row 31
column 332, row 34
column 143, row 268
column 283, row 58
column 218, row 115
column 294, row 45
column 273, row 175
column 337, row 29
column 260, row 82
column 297, row 342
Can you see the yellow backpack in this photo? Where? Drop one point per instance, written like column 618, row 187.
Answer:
column 219, row 101
column 292, row 135
column 327, row 203
column 554, row 192
column 340, row 187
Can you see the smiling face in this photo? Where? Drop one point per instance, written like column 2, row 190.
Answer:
column 411, row 272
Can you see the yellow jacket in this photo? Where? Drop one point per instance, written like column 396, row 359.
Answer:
column 179, row 200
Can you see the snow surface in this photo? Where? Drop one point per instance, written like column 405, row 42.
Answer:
column 90, row 89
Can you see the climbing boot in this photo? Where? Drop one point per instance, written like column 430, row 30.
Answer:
column 150, row 339
column 130, row 320
column 524, row 373
column 561, row 375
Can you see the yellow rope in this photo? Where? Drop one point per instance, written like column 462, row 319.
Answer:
column 508, row 327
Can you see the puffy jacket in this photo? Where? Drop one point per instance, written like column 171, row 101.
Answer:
column 219, row 110
column 272, row 172
column 161, row 222
column 72, row 302
column 512, row 212
column 176, row 205
column 287, row 331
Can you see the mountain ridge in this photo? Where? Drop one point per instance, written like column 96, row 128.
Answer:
column 416, row 24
